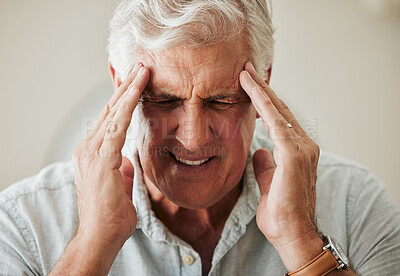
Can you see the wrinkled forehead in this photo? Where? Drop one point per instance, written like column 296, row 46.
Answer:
column 215, row 66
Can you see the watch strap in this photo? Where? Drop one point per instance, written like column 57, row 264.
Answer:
column 319, row 266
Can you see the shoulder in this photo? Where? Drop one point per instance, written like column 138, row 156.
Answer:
column 40, row 201
column 330, row 160
column 339, row 182
column 334, row 166
column 38, row 216
column 56, row 176
column 347, row 179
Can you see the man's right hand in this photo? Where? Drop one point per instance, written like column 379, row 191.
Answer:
column 103, row 179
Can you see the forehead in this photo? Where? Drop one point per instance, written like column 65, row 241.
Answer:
column 199, row 70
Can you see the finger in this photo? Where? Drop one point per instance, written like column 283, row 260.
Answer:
column 115, row 134
column 127, row 172
column 109, row 124
column 279, row 104
column 114, row 99
column 264, row 169
column 273, row 121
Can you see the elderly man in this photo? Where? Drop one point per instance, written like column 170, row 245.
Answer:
column 196, row 190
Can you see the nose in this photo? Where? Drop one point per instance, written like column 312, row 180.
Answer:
column 195, row 129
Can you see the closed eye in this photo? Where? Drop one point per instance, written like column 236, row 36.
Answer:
column 165, row 101
column 222, row 103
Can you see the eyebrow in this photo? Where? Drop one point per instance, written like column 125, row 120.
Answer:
column 150, row 94
column 168, row 94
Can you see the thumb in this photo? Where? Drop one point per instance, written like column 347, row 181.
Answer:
column 264, row 169
column 127, row 172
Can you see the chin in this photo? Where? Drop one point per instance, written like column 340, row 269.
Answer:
column 193, row 199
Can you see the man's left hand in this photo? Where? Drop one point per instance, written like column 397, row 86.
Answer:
column 285, row 214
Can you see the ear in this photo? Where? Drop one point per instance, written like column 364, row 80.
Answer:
column 115, row 77
column 267, row 79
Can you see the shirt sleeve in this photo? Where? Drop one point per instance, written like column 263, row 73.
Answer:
column 17, row 254
column 374, row 230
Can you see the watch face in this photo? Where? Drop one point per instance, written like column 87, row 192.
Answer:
column 339, row 251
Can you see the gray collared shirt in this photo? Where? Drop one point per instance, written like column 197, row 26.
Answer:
column 38, row 217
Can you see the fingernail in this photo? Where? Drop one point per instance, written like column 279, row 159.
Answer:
column 141, row 71
column 137, row 65
column 133, row 69
column 252, row 66
column 249, row 74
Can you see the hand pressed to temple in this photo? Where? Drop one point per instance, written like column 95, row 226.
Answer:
column 104, row 179
column 286, row 212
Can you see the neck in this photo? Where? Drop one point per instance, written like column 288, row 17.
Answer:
column 191, row 224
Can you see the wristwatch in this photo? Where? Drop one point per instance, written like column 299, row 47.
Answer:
column 331, row 258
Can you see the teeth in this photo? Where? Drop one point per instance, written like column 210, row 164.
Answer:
column 191, row 163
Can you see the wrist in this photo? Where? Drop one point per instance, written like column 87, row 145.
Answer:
column 87, row 255
column 104, row 234
column 300, row 251
column 105, row 246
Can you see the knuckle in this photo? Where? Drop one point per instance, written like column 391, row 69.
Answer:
column 308, row 153
column 315, row 153
column 264, row 85
column 112, row 126
column 280, row 123
column 282, row 105
column 111, row 113
column 135, row 90
column 313, row 158
column 268, row 102
column 114, row 130
column 316, row 148
column 301, row 155
column 106, row 109
column 125, row 105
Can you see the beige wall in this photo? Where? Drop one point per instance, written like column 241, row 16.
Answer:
column 51, row 54
column 335, row 65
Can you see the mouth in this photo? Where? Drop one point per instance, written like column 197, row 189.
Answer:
column 191, row 162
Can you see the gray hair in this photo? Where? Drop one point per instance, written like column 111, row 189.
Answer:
column 154, row 25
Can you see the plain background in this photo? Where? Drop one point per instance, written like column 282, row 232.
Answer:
column 337, row 65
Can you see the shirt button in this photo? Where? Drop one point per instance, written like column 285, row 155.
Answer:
column 188, row 259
